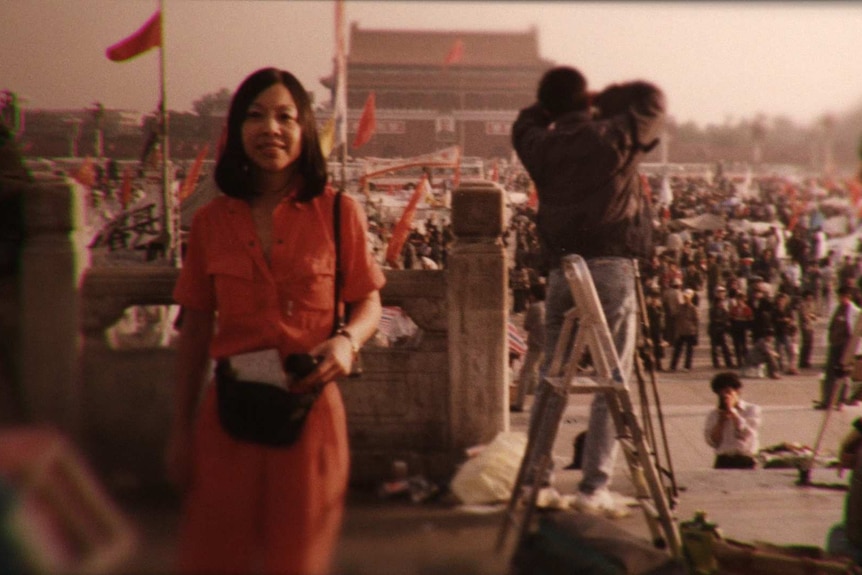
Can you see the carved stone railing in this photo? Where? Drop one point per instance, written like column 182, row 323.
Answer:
column 423, row 404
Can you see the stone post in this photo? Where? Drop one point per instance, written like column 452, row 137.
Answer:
column 51, row 266
column 478, row 312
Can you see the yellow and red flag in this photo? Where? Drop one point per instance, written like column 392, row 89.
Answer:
column 402, row 228
column 192, row 178
column 327, row 137
column 367, row 123
column 147, row 37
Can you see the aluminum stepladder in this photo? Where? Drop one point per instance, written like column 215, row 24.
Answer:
column 587, row 322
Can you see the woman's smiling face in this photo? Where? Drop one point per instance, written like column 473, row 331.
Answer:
column 271, row 134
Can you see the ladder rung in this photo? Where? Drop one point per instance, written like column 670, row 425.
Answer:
column 591, row 337
column 582, row 384
column 629, row 447
column 649, row 508
column 589, row 387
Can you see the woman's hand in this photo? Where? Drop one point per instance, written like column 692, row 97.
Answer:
column 335, row 360
column 336, row 355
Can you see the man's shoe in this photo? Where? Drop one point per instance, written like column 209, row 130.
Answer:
column 601, row 502
column 819, row 405
column 774, row 376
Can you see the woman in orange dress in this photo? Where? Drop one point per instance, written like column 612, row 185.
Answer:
column 259, row 275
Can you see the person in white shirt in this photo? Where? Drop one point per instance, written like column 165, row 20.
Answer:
column 733, row 428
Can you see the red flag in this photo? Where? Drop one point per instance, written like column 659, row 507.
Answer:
column 148, row 36
column 402, row 228
column 86, row 174
column 455, row 53
column 126, row 190
column 646, row 188
column 192, row 178
column 367, row 123
column 855, row 190
column 533, row 197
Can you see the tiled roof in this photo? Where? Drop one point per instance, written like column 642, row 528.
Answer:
column 430, row 48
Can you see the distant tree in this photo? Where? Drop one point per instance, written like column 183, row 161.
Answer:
column 213, row 104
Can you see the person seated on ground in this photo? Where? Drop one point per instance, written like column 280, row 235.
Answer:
column 845, row 538
column 733, row 428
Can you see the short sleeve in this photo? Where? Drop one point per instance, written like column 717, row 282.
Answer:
column 362, row 274
column 194, row 288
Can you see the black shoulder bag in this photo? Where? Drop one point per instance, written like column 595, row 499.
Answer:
column 261, row 413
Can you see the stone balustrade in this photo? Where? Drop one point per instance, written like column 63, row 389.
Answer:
column 422, row 404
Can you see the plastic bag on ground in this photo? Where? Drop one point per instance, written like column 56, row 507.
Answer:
column 490, row 476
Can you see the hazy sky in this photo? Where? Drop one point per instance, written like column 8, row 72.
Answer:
column 715, row 61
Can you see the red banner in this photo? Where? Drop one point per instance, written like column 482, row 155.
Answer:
column 402, row 228
column 192, row 178
column 367, row 123
column 147, row 37
column 126, row 189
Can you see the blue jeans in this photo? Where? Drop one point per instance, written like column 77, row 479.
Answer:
column 614, row 279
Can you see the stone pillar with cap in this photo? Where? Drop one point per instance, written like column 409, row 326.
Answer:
column 51, row 269
column 478, row 314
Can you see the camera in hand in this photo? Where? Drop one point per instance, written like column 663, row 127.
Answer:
column 300, row 365
column 722, row 403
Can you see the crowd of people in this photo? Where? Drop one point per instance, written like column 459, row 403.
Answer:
column 761, row 289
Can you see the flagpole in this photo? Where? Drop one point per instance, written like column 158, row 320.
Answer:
column 341, row 85
column 169, row 219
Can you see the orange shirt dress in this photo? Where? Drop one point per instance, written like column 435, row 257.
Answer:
column 253, row 508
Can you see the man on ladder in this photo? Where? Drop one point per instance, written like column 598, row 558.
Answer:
column 585, row 168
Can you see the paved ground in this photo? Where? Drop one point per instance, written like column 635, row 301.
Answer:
column 384, row 537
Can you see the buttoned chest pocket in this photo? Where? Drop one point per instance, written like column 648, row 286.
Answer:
column 307, row 285
column 233, row 276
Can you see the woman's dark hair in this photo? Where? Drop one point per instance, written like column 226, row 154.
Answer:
column 725, row 379
column 562, row 90
column 232, row 171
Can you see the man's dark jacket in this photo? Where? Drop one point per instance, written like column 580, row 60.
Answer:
column 585, row 172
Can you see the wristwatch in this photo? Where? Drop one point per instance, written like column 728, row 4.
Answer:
column 354, row 345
